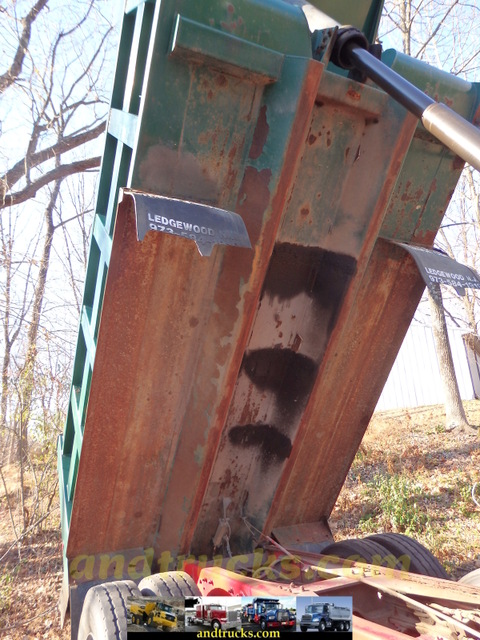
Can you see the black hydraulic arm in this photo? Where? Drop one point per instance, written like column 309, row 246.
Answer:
column 459, row 135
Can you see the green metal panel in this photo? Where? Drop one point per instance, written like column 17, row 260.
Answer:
column 430, row 171
column 460, row 95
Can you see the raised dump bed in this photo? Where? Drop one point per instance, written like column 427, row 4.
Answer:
column 217, row 397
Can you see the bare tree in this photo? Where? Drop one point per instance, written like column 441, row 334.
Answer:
column 53, row 88
column 432, row 30
column 62, row 110
column 455, row 413
column 12, row 74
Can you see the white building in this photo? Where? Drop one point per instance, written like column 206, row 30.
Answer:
column 415, row 377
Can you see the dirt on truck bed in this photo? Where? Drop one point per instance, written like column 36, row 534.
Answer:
column 409, row 476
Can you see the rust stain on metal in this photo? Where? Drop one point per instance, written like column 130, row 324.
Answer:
column 253, row 199
column 353, row 94
column 125, row 394
column 296, row 343
column 260, row 135
column 305, row 211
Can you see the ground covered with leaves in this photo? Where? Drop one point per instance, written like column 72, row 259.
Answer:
column 409, row 476
column 30, row 569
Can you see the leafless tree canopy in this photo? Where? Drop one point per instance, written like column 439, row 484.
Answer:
column 59, row 90
column 54, row 86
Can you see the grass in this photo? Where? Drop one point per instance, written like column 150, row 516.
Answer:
column 6, row 588
column 411, row 476
column 396, row 505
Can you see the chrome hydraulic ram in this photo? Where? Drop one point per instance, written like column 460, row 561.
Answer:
column 459, row 135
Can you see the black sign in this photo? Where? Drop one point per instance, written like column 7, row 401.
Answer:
column 205, row 225
column 438, row 268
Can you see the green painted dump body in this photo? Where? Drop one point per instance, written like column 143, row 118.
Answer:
column 243, row 381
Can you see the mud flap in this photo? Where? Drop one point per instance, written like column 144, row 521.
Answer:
column 204, row 224
column 436, row 267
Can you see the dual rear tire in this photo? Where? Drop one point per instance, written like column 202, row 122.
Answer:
column 392, row 550
column 106, row 606
column 105, row 610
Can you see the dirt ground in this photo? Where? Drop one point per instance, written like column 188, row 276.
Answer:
column 409, row 476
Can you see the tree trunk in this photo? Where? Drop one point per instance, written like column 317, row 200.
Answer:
column 32, row 337
column 455, row 413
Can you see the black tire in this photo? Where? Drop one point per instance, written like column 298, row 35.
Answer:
column 321, row 625
column 422, row 561
column 104, row 612
column 347, row 626
column 362, row 550
column 472, row 578
column 171, row 584
column 263, row 624
column 303, row 629
column 341, row 626
column 216, row 624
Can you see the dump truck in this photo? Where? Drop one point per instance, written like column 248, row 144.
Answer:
column 153, row 614
column 269, row 613
column 270, row 191
column 323, row 616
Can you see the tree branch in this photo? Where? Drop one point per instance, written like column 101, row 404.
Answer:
column 15, row 69
column 18, row 171
column 55, row 174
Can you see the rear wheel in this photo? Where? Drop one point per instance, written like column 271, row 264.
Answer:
column 362, row 550
column 104, row 612
column 171, row 584
column 418, row 559
column 472, row 578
